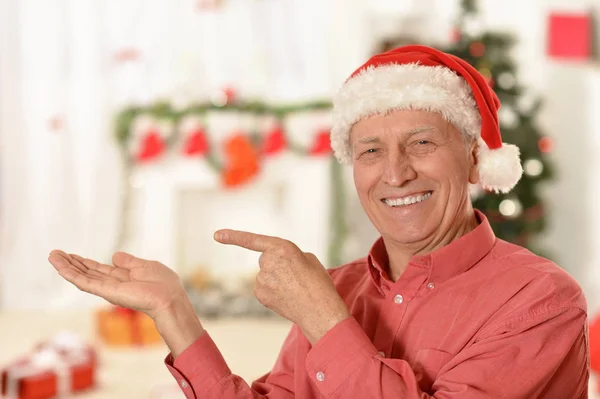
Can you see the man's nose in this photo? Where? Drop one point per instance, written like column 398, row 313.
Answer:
column 398, row 169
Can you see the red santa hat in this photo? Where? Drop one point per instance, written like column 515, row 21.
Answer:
column 422, row 78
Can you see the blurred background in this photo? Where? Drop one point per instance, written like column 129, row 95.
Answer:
column 144, row 126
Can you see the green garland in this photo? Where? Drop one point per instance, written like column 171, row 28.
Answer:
column 166, row 112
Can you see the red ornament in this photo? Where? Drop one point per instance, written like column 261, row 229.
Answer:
column 56, row 123
column 152, row 147
column 322, row 143
column 127, row 54
column 274, row 142
column 230, row 95
column 477, row 49
column 196, row 143
column 546, row 144
column 224, row 96
column 242, row 159
column 456, row 35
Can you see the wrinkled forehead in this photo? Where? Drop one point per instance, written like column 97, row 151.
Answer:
column 404, row 122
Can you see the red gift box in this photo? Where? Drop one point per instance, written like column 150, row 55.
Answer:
column 126, row 327
column 57, row 367
column 570, row 35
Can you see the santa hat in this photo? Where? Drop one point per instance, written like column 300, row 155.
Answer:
column 422, row 78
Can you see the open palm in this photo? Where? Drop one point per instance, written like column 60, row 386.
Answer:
column 140, row 284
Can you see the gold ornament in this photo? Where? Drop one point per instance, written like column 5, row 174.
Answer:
column 533, row 167
column 486, row 72
column 511, row 208
column 200, row 280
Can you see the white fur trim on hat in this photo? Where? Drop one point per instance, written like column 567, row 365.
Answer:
column 397, row 87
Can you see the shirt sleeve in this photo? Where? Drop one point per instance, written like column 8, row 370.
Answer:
column 534, row 356
column 201, row 372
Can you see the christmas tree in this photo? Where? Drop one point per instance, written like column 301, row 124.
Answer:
column 519, row 215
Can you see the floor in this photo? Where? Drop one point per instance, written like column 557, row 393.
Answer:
column 249, row 346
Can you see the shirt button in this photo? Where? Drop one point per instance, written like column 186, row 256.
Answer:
column 398, row 299
column 431, row 286
column 184, row 384
column 320, row 376
column 382, row 353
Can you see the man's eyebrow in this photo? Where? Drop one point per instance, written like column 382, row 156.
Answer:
column 370, row 139
column 411, row 132
column 420, row 129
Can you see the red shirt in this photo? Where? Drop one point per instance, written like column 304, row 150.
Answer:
column 478, row 318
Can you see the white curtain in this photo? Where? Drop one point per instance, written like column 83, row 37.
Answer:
column 66, row 67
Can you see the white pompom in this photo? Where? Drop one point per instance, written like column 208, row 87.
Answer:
column 500, row 169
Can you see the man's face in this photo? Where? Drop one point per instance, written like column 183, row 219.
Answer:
column 412, row 171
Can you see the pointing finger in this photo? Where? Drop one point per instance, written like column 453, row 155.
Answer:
column 251, row 241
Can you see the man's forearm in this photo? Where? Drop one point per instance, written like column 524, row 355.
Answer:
column 179, row 325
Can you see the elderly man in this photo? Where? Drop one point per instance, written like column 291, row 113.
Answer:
column 439, row 308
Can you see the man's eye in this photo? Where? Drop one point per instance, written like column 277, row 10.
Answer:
column 371, row 150
column 421, row 147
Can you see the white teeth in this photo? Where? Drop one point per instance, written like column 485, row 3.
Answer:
column 407, row 200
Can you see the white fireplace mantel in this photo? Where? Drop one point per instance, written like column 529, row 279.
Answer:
column 179, row 203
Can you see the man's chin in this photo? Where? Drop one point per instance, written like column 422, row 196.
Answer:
column 408, row 233
column 415, row 216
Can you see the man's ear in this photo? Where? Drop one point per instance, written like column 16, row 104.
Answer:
column 473, row 162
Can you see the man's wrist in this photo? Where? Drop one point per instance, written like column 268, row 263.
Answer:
column 179, row 325
column 315, row 329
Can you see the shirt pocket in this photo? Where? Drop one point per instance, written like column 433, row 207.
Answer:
column 428, row 363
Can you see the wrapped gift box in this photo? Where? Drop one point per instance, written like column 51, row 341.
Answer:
column 570, row 35
column 55, row 368
column 125, row 327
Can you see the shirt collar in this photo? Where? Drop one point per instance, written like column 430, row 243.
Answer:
column 453, row 259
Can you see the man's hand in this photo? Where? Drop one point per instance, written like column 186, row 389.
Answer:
column 292, row 283
column 139, row 284
column 132, row 282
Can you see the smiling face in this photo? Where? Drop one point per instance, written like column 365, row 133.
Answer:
column 412, row 171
